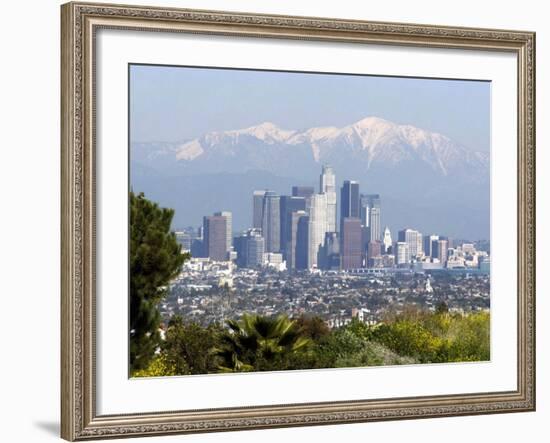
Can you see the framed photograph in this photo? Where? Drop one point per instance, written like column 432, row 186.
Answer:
column 277, row 221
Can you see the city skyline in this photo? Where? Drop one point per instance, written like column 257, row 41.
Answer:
column 367, row 208
column 299, row 231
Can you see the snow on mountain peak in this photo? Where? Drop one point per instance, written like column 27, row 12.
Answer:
column 267, row 131
column 372, row 139
column 373, row 123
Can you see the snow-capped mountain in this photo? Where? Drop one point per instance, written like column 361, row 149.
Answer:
column 425, row 179
column 371, row 143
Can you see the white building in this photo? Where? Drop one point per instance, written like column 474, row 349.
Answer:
column 274, row 260
column 402, row 254
column 387, row 239
column 328, row 187
column 414, row 240
column 316, row 206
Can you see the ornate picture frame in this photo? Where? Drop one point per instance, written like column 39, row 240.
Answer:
column 80, row 23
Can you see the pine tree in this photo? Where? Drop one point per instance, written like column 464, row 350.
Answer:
column 155, row 258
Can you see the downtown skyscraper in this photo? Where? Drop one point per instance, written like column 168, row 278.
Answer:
column 297, row 240
column 327, row 185
column 257, row 208
column 229, row 227
column 215, row 233
column 349, row 201
column 271, row 221
column 289, row 206
column 414, row 241
column 316, row 207
column 351, row 237
column 370, row 216
column 430, row 245
column 351, row 249
column 441, row 252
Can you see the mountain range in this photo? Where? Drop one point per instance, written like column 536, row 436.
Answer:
column 425, row 179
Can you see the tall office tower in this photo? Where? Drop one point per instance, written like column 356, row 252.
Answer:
column 402, row 255
column 302, row 242
column 302, row 191
column 250, row 248
column 255, row 249
column 292, row 244
column 374, row 218
column 271, row 222
column 370, row 215
column 413, row 239
column 289, row 205
column 430, row 242
column 239, row 243
column 327, row 185
column 257, row 208
column 442, row 251
column 387, row 240
column 349, row 201
column 351, row 253
column 316, row 207
column 229, row 226
column 215, row 231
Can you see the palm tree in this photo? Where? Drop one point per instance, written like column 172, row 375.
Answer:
column 260, row 343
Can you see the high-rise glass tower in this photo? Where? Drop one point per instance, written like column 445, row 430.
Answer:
column 292, row 248
column 327, row 185
column 349, row 201
column 430, row 245
column 271, row 221
column 257, row 208
column 289, row 205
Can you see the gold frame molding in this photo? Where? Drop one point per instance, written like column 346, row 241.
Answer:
column 79, row 22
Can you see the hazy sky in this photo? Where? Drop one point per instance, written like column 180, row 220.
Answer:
column 179, row 103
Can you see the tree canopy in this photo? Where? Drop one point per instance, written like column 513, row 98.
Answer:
column 155, row 258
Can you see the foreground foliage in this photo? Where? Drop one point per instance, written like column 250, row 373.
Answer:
column 155, row 258
column 257, row 343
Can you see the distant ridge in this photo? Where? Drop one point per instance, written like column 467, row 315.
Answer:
column 425, row 179
column 371, row 141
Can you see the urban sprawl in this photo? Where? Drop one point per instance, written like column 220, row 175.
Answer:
column 298, row 258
